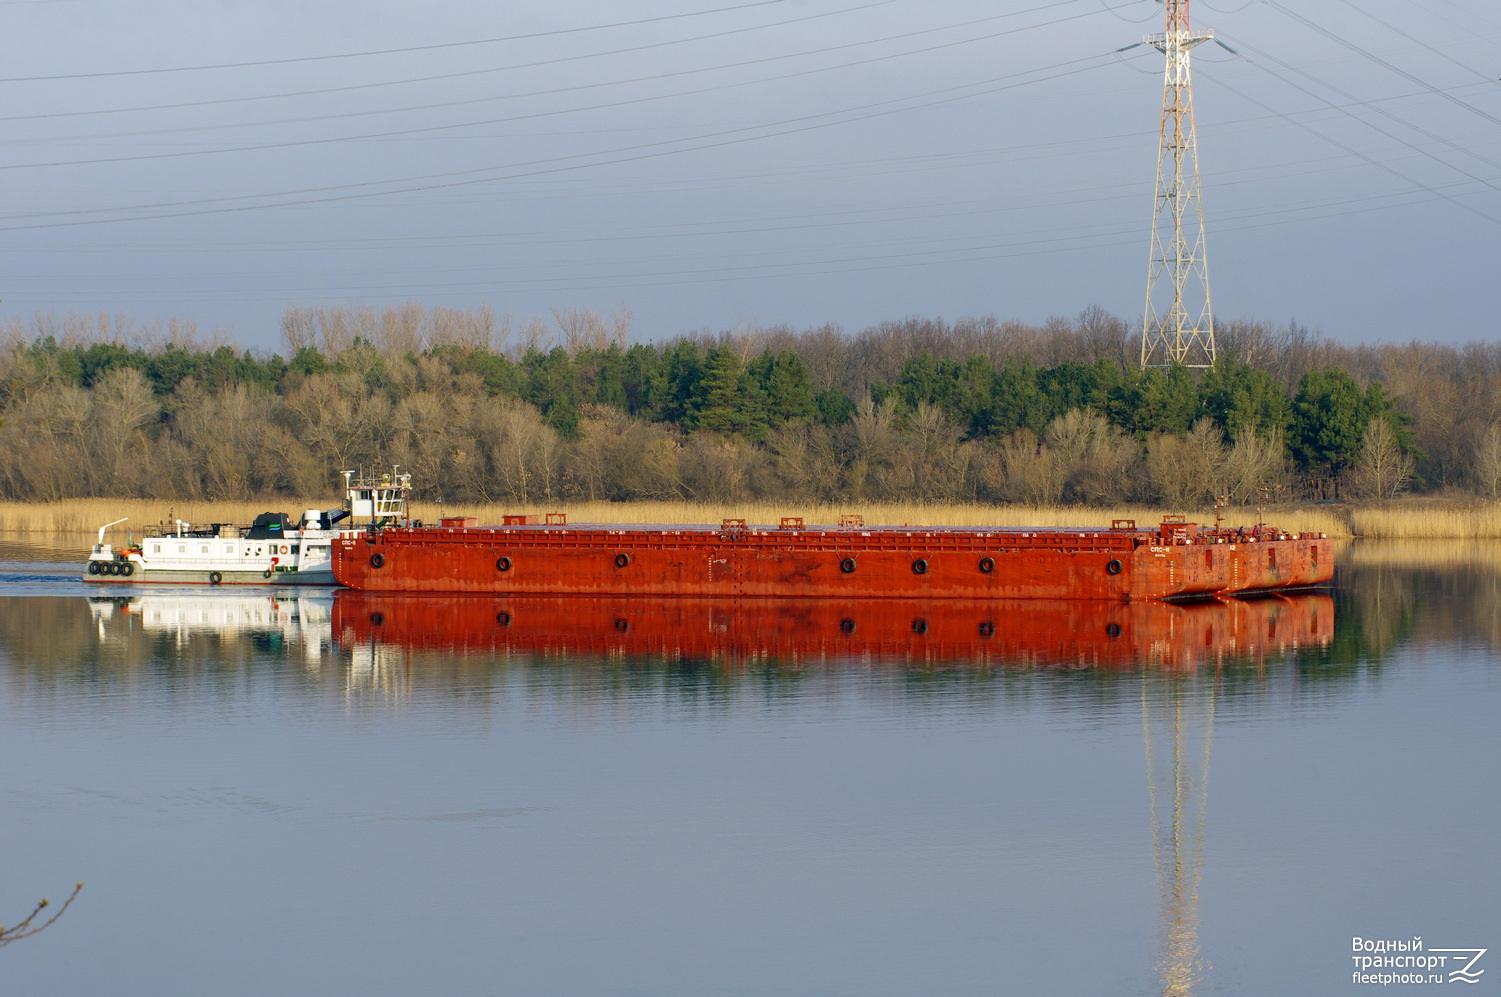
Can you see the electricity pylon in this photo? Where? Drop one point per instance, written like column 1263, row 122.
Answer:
column 1178, row 325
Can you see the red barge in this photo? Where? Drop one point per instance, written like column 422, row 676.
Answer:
column 525, row 556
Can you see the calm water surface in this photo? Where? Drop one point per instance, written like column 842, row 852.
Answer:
column 276, row 792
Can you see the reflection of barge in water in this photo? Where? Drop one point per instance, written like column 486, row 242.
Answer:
column 1030, row 632
column 1176, row 558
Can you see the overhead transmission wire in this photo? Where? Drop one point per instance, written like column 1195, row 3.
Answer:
column 1364, row 53
column 728, row 274
column 330, row 57
column 560, row 90
column 560, row 164
column 1376, row 106
column 488, row 71
column 1487, row 77
column 1363, row 157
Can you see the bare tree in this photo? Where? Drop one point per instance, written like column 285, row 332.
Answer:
column 1033, row 472
column 1383, row 469
column 1255, row 461
column 1488, row 463
column 1186, row 470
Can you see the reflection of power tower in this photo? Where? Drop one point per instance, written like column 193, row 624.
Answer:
column 1177, row 715
column 1178, row 325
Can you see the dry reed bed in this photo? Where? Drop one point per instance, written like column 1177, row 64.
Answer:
column 84, row 516
column 1481, row 521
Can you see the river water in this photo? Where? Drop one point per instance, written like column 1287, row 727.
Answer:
column 282, row 792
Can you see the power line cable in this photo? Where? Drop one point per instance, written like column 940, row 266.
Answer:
column 1382, row 62
column 571, row 89
column 514, row 67
column 291, row 60
column 1353, row 152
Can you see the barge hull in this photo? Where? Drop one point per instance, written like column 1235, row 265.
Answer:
column 832, row 563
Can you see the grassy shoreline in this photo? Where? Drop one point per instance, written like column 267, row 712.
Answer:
column 84, row 516
column 1403, row 521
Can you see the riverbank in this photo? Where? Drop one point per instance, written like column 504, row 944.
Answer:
column 78, row 517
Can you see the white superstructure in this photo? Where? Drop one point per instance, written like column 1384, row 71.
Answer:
column 273, row 550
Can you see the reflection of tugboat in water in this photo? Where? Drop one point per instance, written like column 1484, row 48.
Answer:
column 273, row 550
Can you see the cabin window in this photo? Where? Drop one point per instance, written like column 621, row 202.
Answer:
column 182, row 548
column 229, row 548
column 205, row 548
column 296, row 548
column 156, row 548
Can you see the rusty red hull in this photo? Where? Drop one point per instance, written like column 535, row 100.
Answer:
column 1033, row 632
column 834, row 562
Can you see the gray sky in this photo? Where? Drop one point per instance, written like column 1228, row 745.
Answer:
column 710, row 163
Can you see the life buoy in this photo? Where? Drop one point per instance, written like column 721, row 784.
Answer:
column 377, row 559
column 847, row 565
column 93, row 567
column 1114, row 567
column 987, row 629
column 621, row 560
column 919, row 567
column 127, row 569
column 502, row 564
column 987, row 565
column 285, row 549
column 214, row 578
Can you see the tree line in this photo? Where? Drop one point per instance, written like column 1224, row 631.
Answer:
column 918, row 409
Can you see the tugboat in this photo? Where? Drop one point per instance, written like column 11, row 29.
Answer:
column 273, row 550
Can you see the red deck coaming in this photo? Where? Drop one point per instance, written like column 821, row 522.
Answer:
column 776, row 563
column 1026, row 632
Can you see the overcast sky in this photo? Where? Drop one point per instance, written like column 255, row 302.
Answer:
column 711, row 163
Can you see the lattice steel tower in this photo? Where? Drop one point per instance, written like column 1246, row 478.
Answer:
column 1178, row 325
